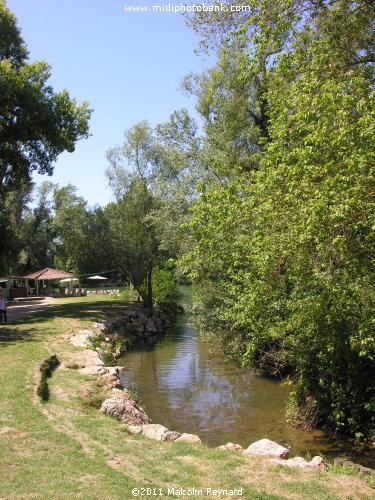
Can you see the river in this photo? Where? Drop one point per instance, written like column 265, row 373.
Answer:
column 189, row 386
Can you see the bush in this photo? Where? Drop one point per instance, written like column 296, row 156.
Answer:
column 166, row 295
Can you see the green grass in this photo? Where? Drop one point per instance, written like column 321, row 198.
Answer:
column 65, row 448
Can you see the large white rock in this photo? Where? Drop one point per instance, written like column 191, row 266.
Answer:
column 123, row 408
column 189, row 438
column 267, row 447
column 154, row 431
column 159, row 432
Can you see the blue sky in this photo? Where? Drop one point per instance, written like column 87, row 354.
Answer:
column 128, row 65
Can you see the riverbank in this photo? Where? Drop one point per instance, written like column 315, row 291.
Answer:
column 66, row 448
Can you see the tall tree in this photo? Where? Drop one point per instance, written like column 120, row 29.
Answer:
column 132, row 169
column 284, row 254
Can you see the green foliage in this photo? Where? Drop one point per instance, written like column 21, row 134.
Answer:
column 134, row 394
column 153, row 176
column 165, row 291
column 284, row 255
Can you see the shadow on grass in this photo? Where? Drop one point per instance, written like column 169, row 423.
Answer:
column 10, row 335
column 26, row 329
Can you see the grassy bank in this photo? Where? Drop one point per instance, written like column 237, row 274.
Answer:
column 65, row 448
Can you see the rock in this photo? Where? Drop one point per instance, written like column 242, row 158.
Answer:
column 292, row 462
column 134, row 429
column 189, row 438
column 130, row 329
column 319, row 462
column 123, row 408
column 100, row 326
column 132, row 313
column 338, row 461
column 267, row 448
column 159, row 432
column 90, row 370
column 171, row 436
column 142, row 319
column 111, row 381
column 114, row 370
column 365, row 470
column 299, row 462
column 80, row 339
column 231, row 446
column 349, row 463
column 150, row 326
column 154, row 431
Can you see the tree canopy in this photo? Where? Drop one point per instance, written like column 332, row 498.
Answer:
column 283, row 252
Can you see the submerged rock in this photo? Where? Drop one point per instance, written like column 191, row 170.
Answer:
column 267, row 447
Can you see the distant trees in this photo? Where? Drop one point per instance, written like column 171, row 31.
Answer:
column 36, row 123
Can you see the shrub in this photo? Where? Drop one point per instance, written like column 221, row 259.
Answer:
column 166, row 295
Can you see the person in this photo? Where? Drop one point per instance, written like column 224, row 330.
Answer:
column 3, row 308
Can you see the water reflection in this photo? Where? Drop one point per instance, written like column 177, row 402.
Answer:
column 189, row 386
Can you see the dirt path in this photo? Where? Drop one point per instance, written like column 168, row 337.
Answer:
column 22, row 310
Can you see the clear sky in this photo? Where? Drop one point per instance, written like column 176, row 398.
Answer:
column 128, row 65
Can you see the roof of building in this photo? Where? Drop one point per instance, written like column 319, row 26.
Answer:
column 49, row 274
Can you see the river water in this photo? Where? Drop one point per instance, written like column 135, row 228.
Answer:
column 189, row 386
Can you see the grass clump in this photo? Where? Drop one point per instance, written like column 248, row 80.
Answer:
column 94, row 396
column 46, row 368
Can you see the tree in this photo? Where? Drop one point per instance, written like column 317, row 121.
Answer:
column 229, row 104
column 284, row 254
column 36, row 234
column 132, row 169
column 11, row 221
column 69, row 227
column 135, row 245
column 135, row 158
column 153, row 175
column 36, row 123
column 318, row 168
